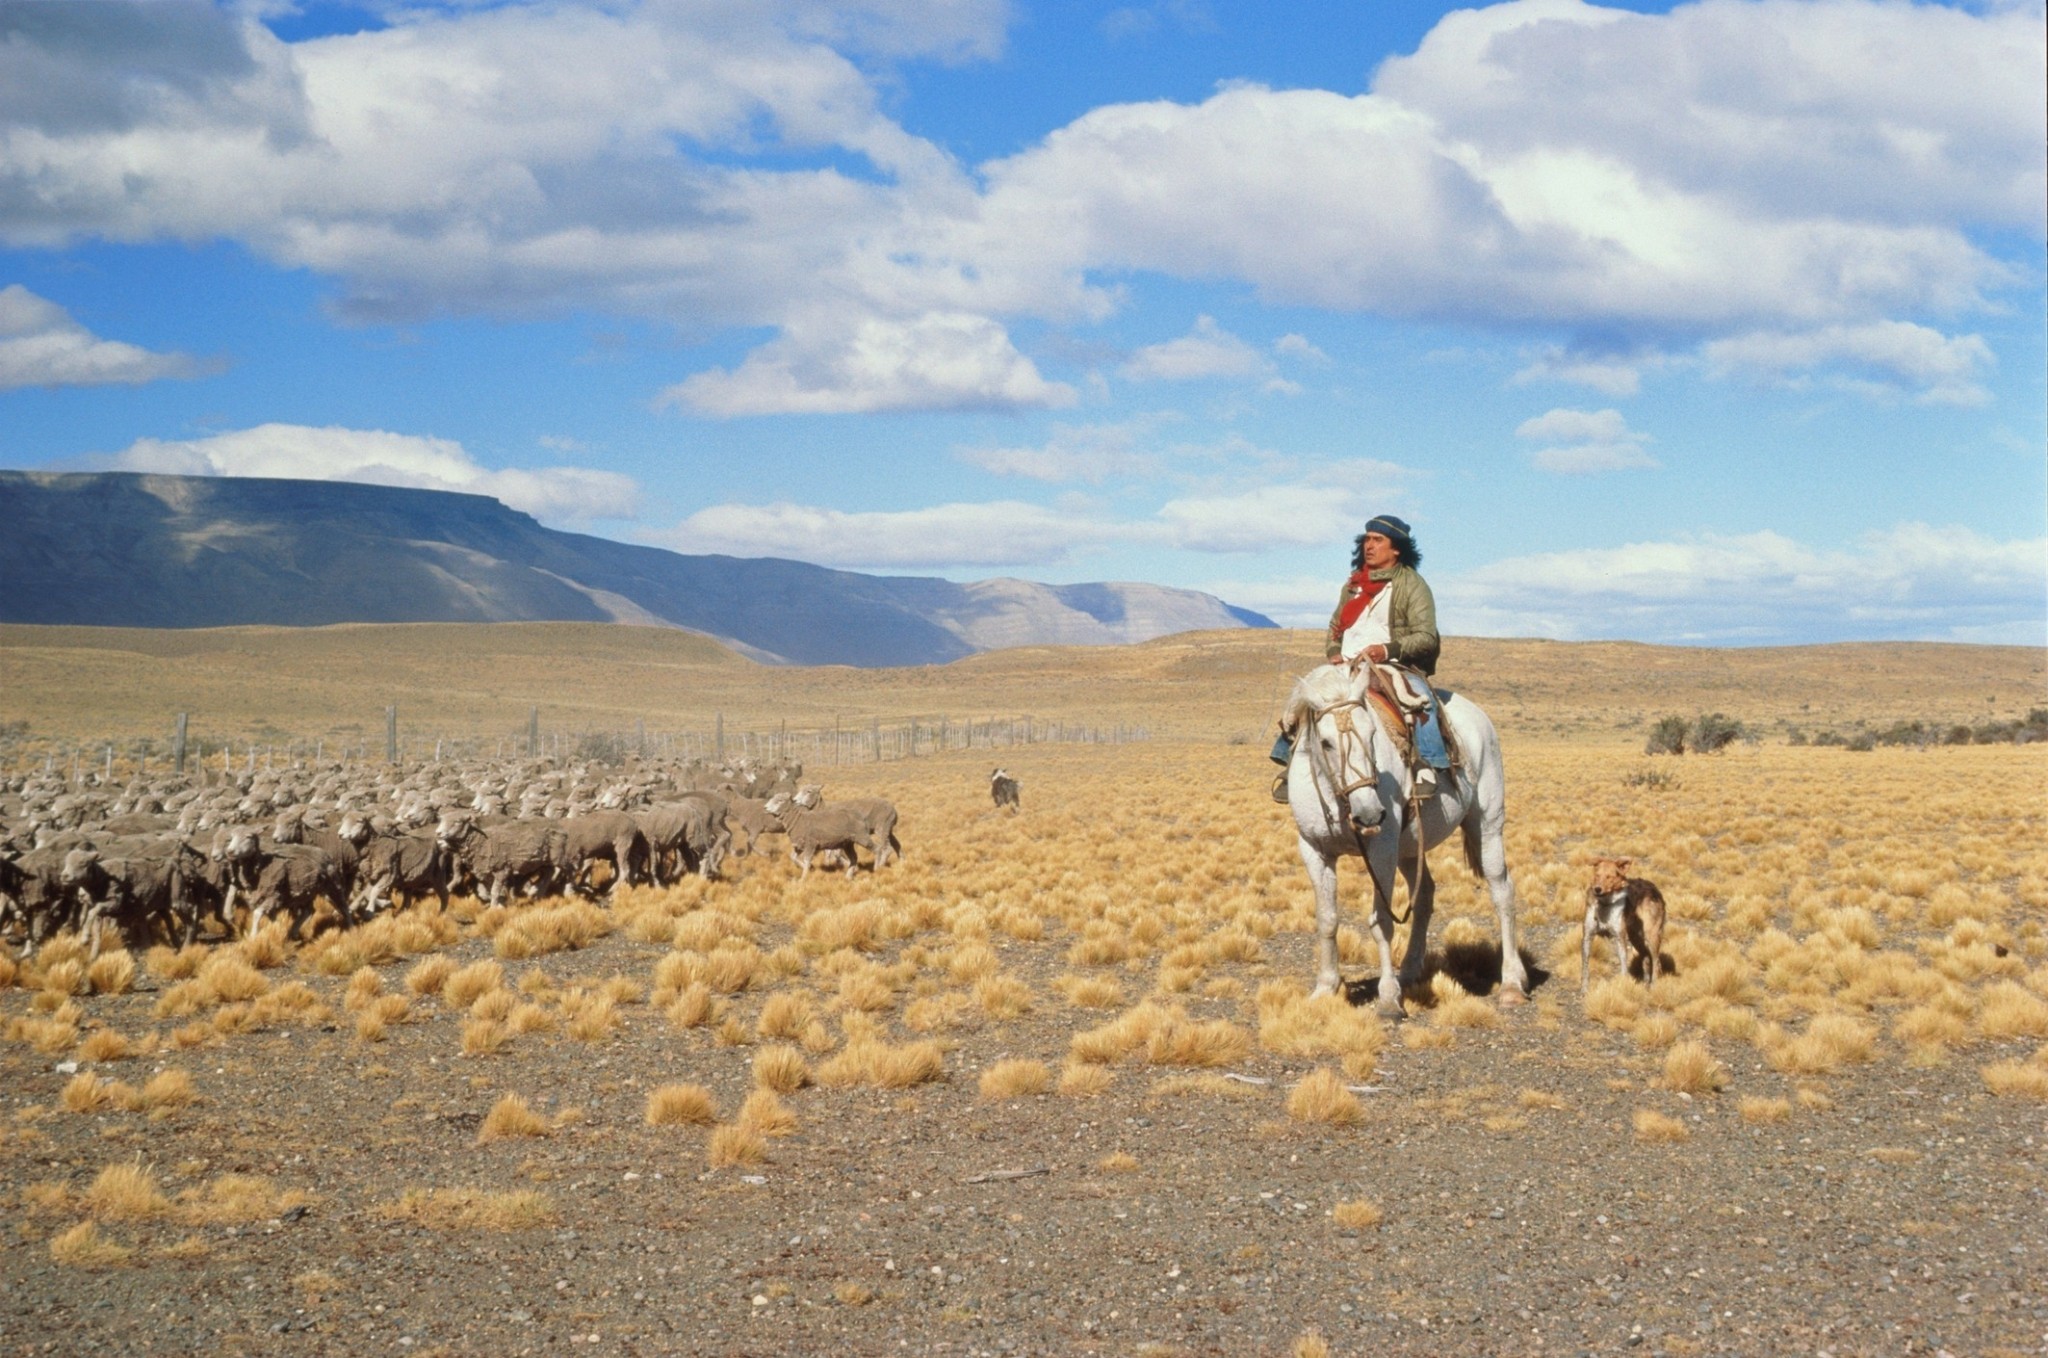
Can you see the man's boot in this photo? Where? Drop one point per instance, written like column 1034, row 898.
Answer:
column 1282, row 754
column 1426, row 785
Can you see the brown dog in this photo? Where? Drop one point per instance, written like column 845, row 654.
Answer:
column 1619, row 906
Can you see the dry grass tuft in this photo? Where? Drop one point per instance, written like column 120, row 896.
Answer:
column 168, row 1089
column 229, row 979
column 851, row 1294
column 1015, row 1078
column 765, row 1113
column 1357, row 1215
column 84, row 1247
column 429, row 975
column 782, row 1069
column 364, row 986
column 237, row 1198
column 1761, row 1112
column 1309, row 1344
column 694, row 1007
column 1456, row 1007
column 460, row 989
column 540, row 930
column 1117, row 1162
column 510, row 1117
column 735, row 1143
column 1830, row 1042
column 112, row 973
column 681, row 1106
column 2016, row 1079
column 86, row 1093
column 1002, row 997
column 468, row 1209
column 175, row 964
column 1321, row 1097
column 125, row 1192
column 785, row 1015
column 1079, row 1081
column 2012, row 1011
column 483, row 1037
column 1652, row 1125
column 870, row 1061
column 1691, row 1069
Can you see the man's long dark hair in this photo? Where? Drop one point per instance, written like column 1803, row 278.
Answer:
column 1409, row 554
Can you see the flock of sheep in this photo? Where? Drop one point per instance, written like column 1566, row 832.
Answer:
column 174, row 859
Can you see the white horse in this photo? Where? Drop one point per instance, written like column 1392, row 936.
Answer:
column 1348, row 787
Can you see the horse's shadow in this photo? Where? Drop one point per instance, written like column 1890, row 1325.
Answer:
column 1474, row 966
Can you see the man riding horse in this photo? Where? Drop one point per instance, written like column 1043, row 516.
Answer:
column 1386, row 615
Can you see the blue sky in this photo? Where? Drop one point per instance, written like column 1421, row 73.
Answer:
column 1716, row 323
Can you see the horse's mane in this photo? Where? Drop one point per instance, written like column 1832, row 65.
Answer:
column 1321, row 686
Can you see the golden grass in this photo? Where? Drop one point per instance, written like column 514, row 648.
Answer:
column 1690, row 1068
column 2016, row 1079
column 468, row 1209
column 681, row 1105
column 510, row 1117
column 238, row 1198
column 168, row 1089
column 1079, row 1081
column 1117, row 1162
column 782, row 1069
column 734, row 1144
column 869, row 1061
column 1309, row 1344
column 126, row 1192
column 785, row 1015
column 1320, row 1097
column 429, row 975
column 86, row 1093
column 465, row 986
column 1654, row 1126
column 1014, row 1078
column 84, row 1247
column 766, row 1114
column 112, row 973
column 1357, row 1214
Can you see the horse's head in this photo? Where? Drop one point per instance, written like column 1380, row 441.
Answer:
column 1339, row 737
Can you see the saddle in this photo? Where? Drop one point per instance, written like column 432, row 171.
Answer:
column 1403, row 696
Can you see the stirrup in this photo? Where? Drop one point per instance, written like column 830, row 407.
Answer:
column 1426, row 783
column 1280, row 787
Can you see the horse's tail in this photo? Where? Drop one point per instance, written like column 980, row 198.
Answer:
column 1470, row 827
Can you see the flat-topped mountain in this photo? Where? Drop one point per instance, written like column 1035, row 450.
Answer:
column 118, row 549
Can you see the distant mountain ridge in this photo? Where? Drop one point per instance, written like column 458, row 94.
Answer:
column 121, row 549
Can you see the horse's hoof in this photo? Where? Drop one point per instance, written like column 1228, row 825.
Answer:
column 1390, row 1010
column 1321, row 990
column 1511, row 997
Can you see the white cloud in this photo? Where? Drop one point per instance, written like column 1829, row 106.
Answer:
column 1001, row 533
column 378, row 457
column 1910, row 581
column 1205, row 352
column 1583, row 441
column 935, row 362
column 1610, row 376
column 1301, row 347
column 1319, row 506
column 1883, row 355
column 1732, row 168
column 1091, row 453
column 41, row 345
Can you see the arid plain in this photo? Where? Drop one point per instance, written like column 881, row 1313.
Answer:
column 1052, row 1084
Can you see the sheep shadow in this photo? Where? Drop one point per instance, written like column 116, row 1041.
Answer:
column 1474, row 966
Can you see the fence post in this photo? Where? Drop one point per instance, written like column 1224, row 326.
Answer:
column 391, row 734
column 718, row 736
column 533, row 733
column 178, row 744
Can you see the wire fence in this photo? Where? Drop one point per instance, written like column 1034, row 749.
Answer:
column 862, row 740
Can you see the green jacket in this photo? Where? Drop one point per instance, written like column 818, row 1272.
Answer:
column 1411, row 619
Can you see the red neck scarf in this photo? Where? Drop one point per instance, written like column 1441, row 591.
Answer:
column 1368, row 590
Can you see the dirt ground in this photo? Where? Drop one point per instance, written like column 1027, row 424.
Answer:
column 1890, row 1207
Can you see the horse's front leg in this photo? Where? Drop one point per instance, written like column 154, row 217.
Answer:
column 1379, row 870
column 1322, row 875
column 1422, row 905
column 1493, row 865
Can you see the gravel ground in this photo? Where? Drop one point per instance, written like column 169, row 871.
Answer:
column 1894, row 1210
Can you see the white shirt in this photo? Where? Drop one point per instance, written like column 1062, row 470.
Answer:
column 1371, row 628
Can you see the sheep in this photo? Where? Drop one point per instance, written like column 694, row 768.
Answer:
column 609, row 836
column 529, row 854
column 394, row 865
column 877, row 814
column 1003, row 788
column 688, row 831
column 812, row 833
column 296, row 878
column 749, row 819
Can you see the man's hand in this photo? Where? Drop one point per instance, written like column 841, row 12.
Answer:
column 1376, row 654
